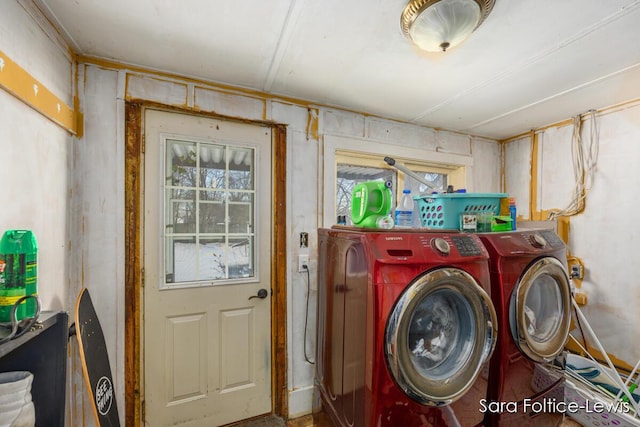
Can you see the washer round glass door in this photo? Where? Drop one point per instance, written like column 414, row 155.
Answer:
column 539, row 312
column 438, row 336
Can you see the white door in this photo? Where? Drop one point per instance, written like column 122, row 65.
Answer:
column 207, row 236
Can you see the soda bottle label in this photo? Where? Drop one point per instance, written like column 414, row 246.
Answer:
column 2, row 266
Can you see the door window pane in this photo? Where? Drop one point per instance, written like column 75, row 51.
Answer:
column 241, row 212
column 181, row 211
column 209, row 212
column 181, row 164
column 212, row 212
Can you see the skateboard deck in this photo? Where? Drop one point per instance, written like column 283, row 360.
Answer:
column 95, row 362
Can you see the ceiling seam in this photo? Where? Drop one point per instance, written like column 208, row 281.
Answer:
column 288, row 26
column 533, row 59
column 62, row 35
column 556, row 95
column 48, row 27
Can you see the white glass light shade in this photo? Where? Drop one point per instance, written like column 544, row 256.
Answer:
column 436, row 25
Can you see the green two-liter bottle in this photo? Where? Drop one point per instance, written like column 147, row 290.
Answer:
column 18, row 273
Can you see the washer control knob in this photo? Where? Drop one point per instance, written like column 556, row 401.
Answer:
column 538, row 241
column 441, row 245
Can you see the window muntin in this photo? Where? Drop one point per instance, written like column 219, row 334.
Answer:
column 209, row 212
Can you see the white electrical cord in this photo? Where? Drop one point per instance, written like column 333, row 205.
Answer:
column 584, row 164
column 306, row 316
column 616, row 378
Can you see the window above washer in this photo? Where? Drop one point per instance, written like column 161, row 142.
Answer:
column 349, row 161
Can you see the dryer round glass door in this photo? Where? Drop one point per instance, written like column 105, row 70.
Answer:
column 438, row 336
column 539, row 311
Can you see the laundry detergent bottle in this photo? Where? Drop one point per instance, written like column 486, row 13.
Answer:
column 371, row 204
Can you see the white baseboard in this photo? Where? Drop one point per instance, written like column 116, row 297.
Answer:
column 300, row 402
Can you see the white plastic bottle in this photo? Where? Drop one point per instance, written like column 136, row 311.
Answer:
column 404, row 210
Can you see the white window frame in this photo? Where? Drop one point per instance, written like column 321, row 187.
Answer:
column 458, row 167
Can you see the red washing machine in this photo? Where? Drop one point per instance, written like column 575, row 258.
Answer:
column 405, row 326
column 532, row 296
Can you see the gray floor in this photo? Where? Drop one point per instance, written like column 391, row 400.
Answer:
column 270, row 421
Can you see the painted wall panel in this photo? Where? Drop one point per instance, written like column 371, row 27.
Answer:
column 36, row 190
column 485, row 177
column 604, row 235
column 98, row 225
column 37, row 167
column 302, row 178
column 400, row 133
column 228, row 104
column 338, row 122
column 296, row 116
column 24, row 42
column 37, row 154
column 518, row 173
column 153, row 89
column 556, row 175
column 452, row 142
column 97, row 187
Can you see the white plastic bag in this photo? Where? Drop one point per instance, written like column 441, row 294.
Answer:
column 16, row 406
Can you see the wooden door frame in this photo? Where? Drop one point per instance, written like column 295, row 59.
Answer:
column 134, row 274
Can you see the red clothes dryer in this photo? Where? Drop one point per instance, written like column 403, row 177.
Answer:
column 405, row 326
column 531, row 294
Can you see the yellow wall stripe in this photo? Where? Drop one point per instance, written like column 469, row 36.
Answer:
column 534, row 214
column 18, row 82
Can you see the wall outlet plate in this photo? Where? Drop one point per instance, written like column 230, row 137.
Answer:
column 302, row 261
column 577, row 272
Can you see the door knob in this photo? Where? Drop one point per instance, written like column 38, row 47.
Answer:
column 262, row 294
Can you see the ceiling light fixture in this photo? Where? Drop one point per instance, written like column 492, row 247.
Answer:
column 438, row 25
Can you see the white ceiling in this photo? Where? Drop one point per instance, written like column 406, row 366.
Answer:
column 531, row 63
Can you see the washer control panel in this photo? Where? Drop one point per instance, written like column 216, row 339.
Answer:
column 544, row 239
column 466, row 245
column 455, row 245
column 552, row 238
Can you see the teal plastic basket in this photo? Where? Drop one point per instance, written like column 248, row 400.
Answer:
column 444, row 210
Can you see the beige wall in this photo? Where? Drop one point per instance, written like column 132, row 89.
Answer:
column 36, row 154
column 604, row 236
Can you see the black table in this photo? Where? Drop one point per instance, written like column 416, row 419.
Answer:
column 43, row 352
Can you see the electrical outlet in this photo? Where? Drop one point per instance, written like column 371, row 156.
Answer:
column 303, row 260
column 577, row 272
